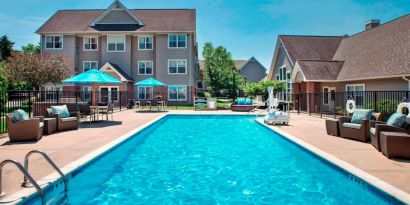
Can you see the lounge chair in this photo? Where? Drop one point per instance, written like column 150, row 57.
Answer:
column 108, row 111
column 356, row 131
column 24, row 130
column 66, row 123
column 376, row 127
column 200, row 103
column 242, row 105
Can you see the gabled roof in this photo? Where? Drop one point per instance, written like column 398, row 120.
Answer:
column 114, row 67
column 116, row 5
column 239, row 64
column 155, row 20
column 310, row 47
column 319, row 70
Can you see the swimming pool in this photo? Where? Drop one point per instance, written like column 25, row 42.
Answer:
column 214, row 159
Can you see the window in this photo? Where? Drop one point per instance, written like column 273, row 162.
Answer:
column 90, row 43
column 356, row 91
column 88, row 65
column 54, row 42
column 177, row 93
column 53, row 92
column 108, row 94
column 145, row 43
column 177, row 66
column 116, row 44
column 144, row 93
column 87, row 92
column 284, row 75
column 145, row 67
column 326, row 96
column 177, row 41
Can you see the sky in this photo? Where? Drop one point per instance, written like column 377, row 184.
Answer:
column 245, row 27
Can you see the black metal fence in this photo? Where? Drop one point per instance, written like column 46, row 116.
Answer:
column 333, row 104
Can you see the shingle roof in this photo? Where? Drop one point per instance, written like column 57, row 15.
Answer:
column 121, row 72
column 310, row 47
column 238, row 64
column 78, row 21
column 320, row 70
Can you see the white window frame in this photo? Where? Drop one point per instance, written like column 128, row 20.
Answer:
column 62, row 42
column 186, row 66
column 152, row 67
column 53, row 91
column 177, row 47
column 84, row 62
column 151, row 92
column 355, row 92
column 84, row 42
column 89, row 90
column 356, row 85
column 109, row 93
column 116, row 42
column 145, row 43
column 178, row 100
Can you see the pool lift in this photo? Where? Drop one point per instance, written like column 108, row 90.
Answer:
column 275, row 116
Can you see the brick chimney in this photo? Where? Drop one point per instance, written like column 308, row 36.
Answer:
column 372, row 23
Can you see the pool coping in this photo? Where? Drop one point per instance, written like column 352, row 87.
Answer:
column 351, row 169
column 26, row 194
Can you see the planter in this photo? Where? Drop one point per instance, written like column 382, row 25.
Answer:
column 211, row 103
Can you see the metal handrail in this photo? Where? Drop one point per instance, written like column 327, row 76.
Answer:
column 26, row 175
column 26, row 160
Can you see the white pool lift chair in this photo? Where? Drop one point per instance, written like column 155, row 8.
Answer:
column 275, row 116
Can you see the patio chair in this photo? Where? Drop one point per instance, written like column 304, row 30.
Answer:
column 356, row 131
column 200, row 103
column 158, row 102
column 109, row 110
column 66, row 123
column 376, row 127
column 24, row 130
column 85, row 111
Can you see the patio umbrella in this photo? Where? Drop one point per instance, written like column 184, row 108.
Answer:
column 150, row 82
column 93, row 77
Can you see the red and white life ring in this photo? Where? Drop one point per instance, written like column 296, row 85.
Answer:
column 401, row 106
column 350, row 106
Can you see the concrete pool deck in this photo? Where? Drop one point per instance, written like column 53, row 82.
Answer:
column 67, row 147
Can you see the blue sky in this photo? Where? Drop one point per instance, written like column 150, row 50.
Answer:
column 246, row 28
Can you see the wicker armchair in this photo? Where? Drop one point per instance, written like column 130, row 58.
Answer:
column 68, row 123
column 25, row 130
column 356, row 131
column 376, row 127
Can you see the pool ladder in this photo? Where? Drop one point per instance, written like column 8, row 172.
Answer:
column 27, row 177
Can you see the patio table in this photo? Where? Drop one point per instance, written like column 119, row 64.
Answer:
column 95, row 111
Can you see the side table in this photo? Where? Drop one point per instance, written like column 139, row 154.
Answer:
column 395, row 144
column 332, row 127
column 50, row 125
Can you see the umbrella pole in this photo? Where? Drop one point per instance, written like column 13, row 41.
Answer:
column 94, row 95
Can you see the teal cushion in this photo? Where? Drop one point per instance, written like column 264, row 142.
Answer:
column 361, row 114
column 62, row 110
column 397, row 120
column 248, row 102
column 19, row 115
column 241, row 101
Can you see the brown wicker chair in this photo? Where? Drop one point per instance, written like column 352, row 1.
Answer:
column 376, row 127
column 69, row 123
column 356, row 131
column 241, row 108
column 25, row 130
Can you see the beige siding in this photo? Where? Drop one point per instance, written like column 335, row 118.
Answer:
column 87, row 55
column 142, row 55
column 69, row 49
column 122, row 59
column 253, row 71
column 118, row 17
column 282, row 60
column 387, row 84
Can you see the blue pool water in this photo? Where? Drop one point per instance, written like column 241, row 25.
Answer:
column 214, row 160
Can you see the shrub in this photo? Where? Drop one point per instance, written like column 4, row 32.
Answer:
column 386, row 107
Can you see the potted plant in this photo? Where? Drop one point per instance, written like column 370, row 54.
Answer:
column 211, row 101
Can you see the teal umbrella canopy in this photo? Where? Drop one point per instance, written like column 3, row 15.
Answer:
column 92, row 76
column 150, row 82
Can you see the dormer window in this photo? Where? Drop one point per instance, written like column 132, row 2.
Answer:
column 116, row 43
column 177, row 41
column 54, row 42
column 90, row 43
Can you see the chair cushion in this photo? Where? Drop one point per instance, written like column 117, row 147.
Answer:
column 62, row 110
column 41, row 124
column 248, row 102
column 373, row 131
column 352, row 125
column 69, row 119
column 361, row 114
column 397, row 120
column 241, row 101
column 19, row 115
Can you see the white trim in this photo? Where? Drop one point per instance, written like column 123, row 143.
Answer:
column 186, row 66
column 176, row 34
column 145, row 88
column 178, row 100
column 90, row 91
column 112, row 7
column 84, row 37
column 62, row 42
column 145, row 61
column 108, row 65
column 116, row 42
column 329, row 89
column 84, row 62
column 356, row 85
column 109, row 92
column 145, row 36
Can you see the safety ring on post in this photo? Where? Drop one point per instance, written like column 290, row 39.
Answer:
column 401, row 106
column 350, row 106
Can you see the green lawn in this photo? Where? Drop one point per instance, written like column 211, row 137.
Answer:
column 180, row 107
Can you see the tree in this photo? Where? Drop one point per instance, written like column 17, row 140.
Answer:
column 37, row 69
column 3, row 84
column 261, row 88
column 6, row 47
column 219, row 72
column 31, row 48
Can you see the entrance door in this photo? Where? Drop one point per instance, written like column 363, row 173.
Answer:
column 108, row 94
column 329, row 98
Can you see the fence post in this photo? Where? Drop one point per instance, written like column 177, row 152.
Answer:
column 375, row 101
column 120, row 99
column 29, row 103
column 299, row 103
column 320, row 104
column 58, row 97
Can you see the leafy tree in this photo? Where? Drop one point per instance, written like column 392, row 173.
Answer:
column 31, row 48
column 6, row 47
column 219, row 72
column 37, row 69
column 261, row 88
column 3, row 84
